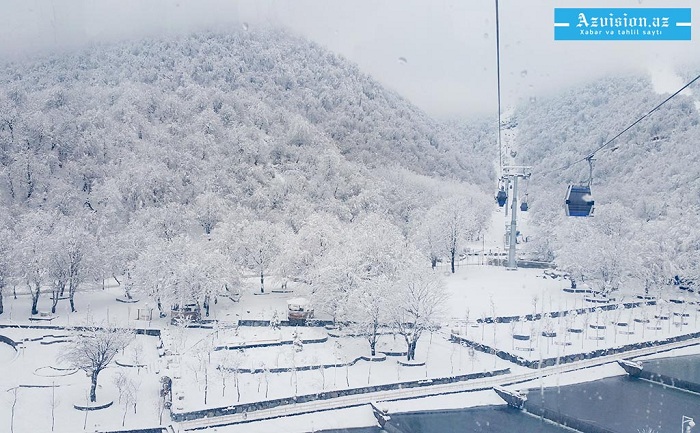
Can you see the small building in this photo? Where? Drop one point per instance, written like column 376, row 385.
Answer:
column 299, row 310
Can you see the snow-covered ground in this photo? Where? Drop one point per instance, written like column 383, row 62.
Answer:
column 475, row 291
column 442, row 359
column 43, row 384
column 586, row 332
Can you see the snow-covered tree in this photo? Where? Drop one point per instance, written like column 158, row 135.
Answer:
column 418, row 305
column 32, row 255
column 369, row 306
column 94, row 349
column 167, row 222
column 183, row 271
column 75, row 252
column 356, row 276
column 429, row 238
column 209, row 209
column 6, row 241
column 259, row 246
column 317, row 236
column 459, row 219
column 600, row 250
column 119, row 251
column 152, row 273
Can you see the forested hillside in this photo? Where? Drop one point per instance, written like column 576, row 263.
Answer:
column 118, row 159
column 646, row 184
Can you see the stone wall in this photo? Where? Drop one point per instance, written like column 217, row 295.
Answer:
column 670, row 381
column 547, row 362
column 142, row 430
column 248, row 407
column 554, row 314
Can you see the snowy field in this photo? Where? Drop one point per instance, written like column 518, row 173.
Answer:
column 205, row 376
column 581, row 333
column 442, row 359
column 47, row 385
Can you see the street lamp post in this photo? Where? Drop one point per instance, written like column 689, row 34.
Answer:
column 687, row 423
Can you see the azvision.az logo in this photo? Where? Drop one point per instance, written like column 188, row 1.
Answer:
column 605, row 24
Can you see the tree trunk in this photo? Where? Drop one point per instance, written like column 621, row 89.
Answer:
column 54, row 301
column 373, row 338
column 93, row 387
column 160, row 308
column 2, row 308
column 71, row 294
column 238, row 386
column 453, row 252
column 35, row 298
column 408, row 345
column 206, row 306
column 411, row 351
column 206, row 383
column 73, row 283
column 262, row 282
column 433, row 262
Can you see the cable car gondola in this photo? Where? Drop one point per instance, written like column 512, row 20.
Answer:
column 579, row 201
column 523, row 204
column 501, row 198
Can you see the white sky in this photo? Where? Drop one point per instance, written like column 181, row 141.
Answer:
column 449, row 45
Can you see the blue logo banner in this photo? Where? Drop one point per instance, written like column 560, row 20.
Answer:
column 622, row 24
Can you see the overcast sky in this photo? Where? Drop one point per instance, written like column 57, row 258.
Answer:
column 449, row 47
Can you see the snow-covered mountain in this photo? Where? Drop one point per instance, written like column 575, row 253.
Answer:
column 129, row 158
column 263, row 119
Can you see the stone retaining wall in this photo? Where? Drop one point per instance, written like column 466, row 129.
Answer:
column 269, row 344
column 309, row 323
column 150, row 331
column 141, row 430
column 8, row 341
column 248, row 407
column 555, row 314
column 568, row 358
column 308, row 367
column 670, row 381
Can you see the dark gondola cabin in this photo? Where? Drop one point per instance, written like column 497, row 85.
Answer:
column 579, row 202
column 501, row 198
column 523, row 206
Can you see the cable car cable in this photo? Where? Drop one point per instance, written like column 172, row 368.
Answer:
column 498, row 80
column 590, row 155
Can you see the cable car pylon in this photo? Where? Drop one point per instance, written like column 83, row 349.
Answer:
column 512, row 174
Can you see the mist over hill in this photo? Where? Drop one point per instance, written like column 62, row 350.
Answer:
column 247, row 115
column 646, row 184
column 140, row 152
